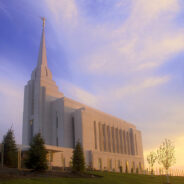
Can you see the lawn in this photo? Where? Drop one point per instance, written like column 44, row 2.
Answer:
column 108, row 178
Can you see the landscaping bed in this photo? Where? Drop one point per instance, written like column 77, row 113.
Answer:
column 7, row 173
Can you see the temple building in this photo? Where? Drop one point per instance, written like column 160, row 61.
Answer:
column 109, row 143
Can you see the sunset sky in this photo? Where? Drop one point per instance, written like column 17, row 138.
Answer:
column 124, row 57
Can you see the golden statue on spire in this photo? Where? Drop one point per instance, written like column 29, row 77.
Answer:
column 43, row 19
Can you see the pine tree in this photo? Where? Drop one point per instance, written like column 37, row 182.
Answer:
column 10, row 149
column 78, row 163
column 37, row 153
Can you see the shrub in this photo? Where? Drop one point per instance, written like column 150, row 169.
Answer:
column 10, row 149
column 78, row 163
column 37, row 153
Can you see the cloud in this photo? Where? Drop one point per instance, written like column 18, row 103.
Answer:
column 154, row 9
column 136, row 88
column 77, row 93
column 64, row 11
column 146, row 40
column 10, row 90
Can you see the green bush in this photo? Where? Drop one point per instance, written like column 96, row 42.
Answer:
column 78, row 163
column 10, row 149
column 37, row 153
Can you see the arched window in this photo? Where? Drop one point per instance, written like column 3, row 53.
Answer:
column 95, row 138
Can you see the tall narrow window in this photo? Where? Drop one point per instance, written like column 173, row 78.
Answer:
column 57, row 142
column 56, row 121
column 136, row 144
column 121, row 141
column 132, row 141
column 73, row 131
column 128, row 143
column 125, row 142
column 46, row 72
column 31, row 129
column 113, row 139
column 104, row 137
column 100, row 138
column 32, row 100
column 95, row 138
column 109, row 138
column 117, row 141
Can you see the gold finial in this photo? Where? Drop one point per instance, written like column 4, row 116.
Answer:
column 43, row 19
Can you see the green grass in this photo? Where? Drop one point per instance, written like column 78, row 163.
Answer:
column 109, row 178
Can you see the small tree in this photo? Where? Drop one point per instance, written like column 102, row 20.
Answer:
column 166, row 155
column 37, row 153
column 10, row 149
column 78, row 163
column 151, row 159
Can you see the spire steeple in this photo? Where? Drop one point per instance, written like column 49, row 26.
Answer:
column 42, row 57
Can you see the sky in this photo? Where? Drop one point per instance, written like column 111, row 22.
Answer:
column 124, row 57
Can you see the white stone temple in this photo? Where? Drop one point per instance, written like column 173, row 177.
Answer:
column 109, row 143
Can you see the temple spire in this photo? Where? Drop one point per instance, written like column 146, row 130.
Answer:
column 42, row 57
column 43, row 19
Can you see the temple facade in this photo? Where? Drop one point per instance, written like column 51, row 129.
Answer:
column 109, row 143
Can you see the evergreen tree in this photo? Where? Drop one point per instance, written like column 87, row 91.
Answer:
column 10, row 149
column 37, row 153
column 78, row 163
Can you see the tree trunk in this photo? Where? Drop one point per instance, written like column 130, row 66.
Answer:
column 167, row 175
